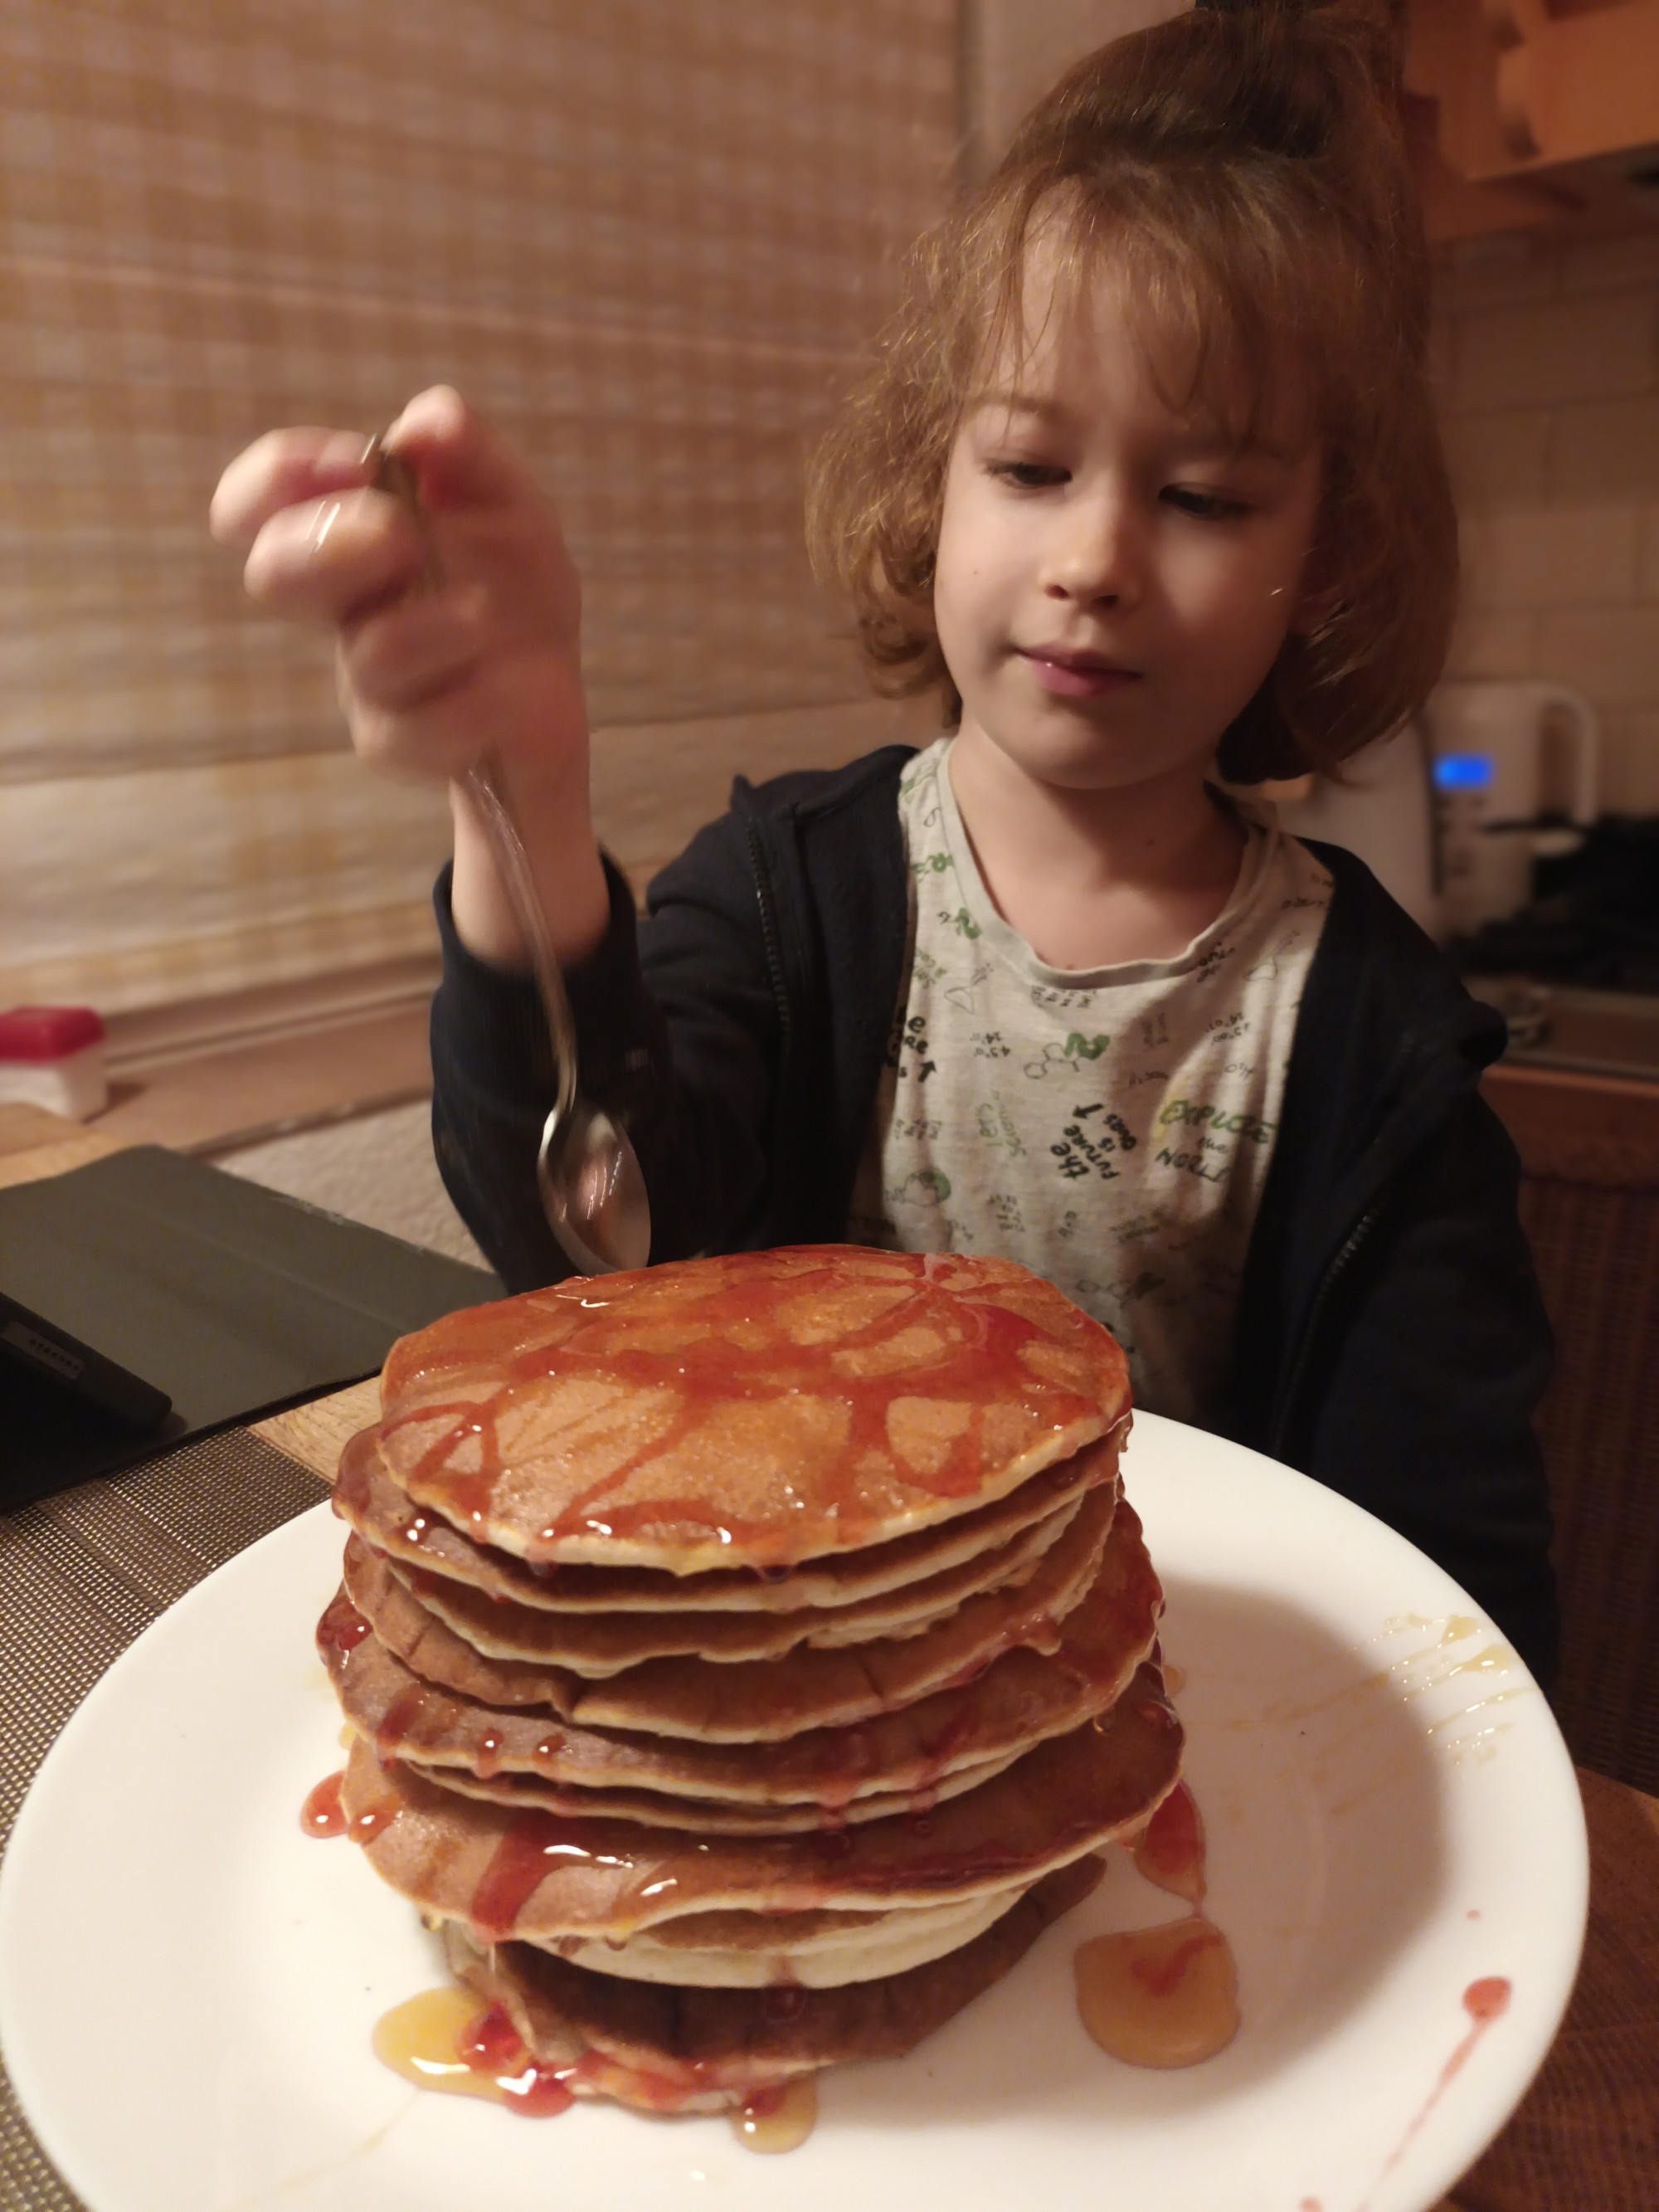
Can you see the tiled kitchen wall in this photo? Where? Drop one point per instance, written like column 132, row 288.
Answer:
column 1548, row 360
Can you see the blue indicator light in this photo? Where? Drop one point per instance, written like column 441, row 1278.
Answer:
column 1462, row 772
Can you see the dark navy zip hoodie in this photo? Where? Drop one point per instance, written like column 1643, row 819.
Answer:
column 1390, row 1341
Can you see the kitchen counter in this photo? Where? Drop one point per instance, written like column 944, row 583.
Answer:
column 1565, row 1028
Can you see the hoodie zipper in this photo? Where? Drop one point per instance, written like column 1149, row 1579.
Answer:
column 1358, row 1237
column 769, row 939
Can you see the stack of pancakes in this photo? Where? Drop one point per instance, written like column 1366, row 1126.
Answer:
column 746, row 1657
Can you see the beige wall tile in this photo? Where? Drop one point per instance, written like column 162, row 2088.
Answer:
column 655, row 784
column 1604, row 447
column 1629, row 760
column 1601, row 347
column 1611, row 653
column 1552, row 432
column 1611, row 262
column 1498, row 458
column 1493, row 645
column 1648, row 576
column 1552, row 557
column 1504, row 271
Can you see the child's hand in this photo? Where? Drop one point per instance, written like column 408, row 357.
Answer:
column 454, row 639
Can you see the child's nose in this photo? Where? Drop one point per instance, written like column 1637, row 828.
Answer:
column 1096, row 554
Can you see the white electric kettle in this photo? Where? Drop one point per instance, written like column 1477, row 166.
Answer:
column 1513, row 764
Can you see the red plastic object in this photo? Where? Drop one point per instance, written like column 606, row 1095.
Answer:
column 38, row 1034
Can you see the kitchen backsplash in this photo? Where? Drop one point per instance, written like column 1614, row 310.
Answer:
column 1548, row 360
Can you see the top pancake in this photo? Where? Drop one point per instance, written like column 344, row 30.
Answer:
column 754, row 1410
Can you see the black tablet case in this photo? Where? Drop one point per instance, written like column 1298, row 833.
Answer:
column 150, row 1297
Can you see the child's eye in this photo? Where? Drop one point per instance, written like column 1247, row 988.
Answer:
column 1203, row 506
column 1029, row 476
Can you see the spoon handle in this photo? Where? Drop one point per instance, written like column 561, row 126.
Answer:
column 483, row 788
column 483, row 782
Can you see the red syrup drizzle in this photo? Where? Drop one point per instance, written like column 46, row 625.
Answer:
column 1484, row 2000
column 342, row 1628
column 445, row 2039
column 1169, row 1849
column 401, row 1719
column 1166, row 1995
column 322, row 1815
column 979, row 1360
column 494, row 2049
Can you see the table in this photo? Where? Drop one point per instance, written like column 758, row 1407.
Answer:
column 84, row 1573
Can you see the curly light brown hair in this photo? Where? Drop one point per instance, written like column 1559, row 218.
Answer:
column 1246, row 172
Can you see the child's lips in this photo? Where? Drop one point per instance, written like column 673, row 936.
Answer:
column 1077, row 675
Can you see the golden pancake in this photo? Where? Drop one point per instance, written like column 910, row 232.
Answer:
column 595, row 1644
column 509, row 1873
column 706, row 1816
column 890, row 1944
column 368, row 1497
column 763, row 1950
column 710, row 2049
column 1020, row 1700
column 748, row 1701
column 755, row 1410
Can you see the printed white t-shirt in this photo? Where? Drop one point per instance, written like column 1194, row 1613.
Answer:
column 1109, row 1128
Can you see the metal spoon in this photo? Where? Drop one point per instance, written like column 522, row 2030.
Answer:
column 593, row 1189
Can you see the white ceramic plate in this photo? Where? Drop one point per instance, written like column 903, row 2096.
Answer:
column 188, row 1982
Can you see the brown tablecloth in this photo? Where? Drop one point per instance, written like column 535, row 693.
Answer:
column 84, row 1573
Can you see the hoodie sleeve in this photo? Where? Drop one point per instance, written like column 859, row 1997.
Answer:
column 686, row 1059
column 1428, row 1365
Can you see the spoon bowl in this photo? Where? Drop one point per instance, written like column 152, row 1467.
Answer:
column 592, row 1192
column 591, row 1186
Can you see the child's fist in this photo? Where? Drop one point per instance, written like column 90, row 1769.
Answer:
column 458, row 631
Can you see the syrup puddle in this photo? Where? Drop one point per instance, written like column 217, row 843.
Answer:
column 446, row 2040
column 778, row 2120
column 1166, row 1995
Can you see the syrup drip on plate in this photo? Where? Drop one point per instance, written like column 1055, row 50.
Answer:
column 777, row 2120
column 1160, row 1996
column 1165, row 1995
column 1484, row 2000
column 446, row 2040
column 1169, row 1849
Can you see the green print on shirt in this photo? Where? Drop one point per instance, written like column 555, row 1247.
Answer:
column 1062, row 1056
column 1178, row 1111
column 962, row 922
column 926, row 1187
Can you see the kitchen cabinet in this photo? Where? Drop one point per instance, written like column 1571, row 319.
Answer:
column 1528, row 114
column 1589, row 1204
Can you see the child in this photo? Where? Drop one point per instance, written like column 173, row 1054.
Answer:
column 1145, row 480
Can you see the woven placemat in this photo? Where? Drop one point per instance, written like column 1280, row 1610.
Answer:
column 82, row 1576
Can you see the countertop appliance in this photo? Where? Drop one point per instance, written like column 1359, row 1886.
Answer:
column 1517, row 771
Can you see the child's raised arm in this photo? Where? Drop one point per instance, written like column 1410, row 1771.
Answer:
column 451, row 644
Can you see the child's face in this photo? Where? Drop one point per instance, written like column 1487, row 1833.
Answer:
column 1114, row 580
